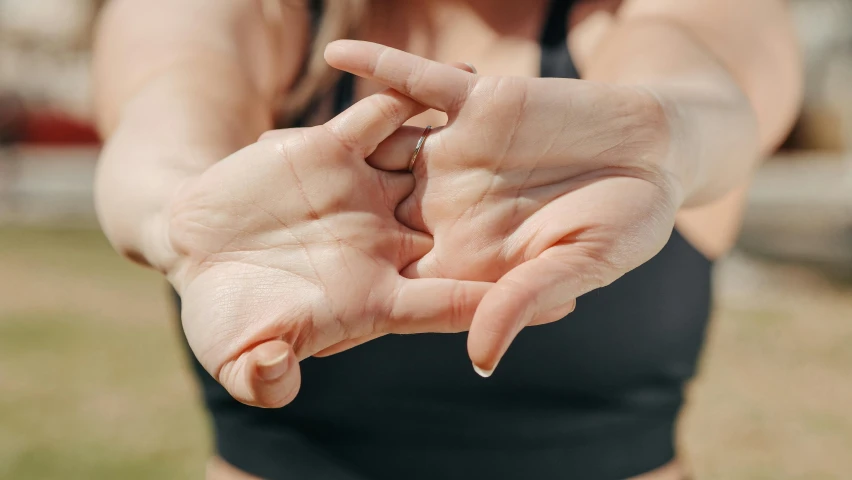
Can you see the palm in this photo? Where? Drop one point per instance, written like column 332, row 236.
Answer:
column 549, row 187
column 293, row 242
column 291, row 230
column 524, row 180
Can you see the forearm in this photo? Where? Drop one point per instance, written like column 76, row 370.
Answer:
column 180, row 84
column 729, row 93
column 169, row 132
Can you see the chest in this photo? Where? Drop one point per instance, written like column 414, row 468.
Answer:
column 497, row 41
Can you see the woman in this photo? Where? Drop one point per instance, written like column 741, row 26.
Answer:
column 537, row 191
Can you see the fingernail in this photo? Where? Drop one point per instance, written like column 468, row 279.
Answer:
column 333, row 48
column 471, row 67
column 482, row 372
column 273, row 368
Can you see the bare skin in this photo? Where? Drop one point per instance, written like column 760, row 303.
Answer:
column 183, row 101
column 315, row 269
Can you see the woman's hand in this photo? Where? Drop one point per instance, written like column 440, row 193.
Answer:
column 290, row 246
column 549, row 187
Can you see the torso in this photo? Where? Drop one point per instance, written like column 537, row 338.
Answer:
column 598, row 356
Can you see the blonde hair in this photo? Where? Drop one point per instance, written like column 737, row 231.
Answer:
column 340, row 19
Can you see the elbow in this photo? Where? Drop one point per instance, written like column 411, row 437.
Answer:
column 776, row 103
column 774, row 82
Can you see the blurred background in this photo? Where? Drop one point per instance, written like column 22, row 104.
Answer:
column 94, row 383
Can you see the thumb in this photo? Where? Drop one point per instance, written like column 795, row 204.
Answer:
column 265, row 376
column 538, row 291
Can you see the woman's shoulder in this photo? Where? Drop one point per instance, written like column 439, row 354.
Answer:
column 291, row 25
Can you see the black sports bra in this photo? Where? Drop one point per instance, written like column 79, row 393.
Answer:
column 593, row 396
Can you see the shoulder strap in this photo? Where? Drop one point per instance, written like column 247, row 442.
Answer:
column 556, row 60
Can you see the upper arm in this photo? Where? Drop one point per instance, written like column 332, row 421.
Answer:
column 254, row 46
column 754, row 40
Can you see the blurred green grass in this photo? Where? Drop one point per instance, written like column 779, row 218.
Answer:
column 95, row 384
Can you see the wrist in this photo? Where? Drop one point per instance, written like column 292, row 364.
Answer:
column 668, row 157
column 655, row 152
column 137, row 180
column 166, row 136
column 711, row 140
column 132, row 201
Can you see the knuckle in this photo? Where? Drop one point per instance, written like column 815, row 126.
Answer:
column 414, row 78
column 375, row 64
column 386, row 189
column 227, row 376
column 390, row 305
column 595, row 268
column 465, row 303
column 457, row 310
column 389, row 108
column 345, row 136
column 521, row 292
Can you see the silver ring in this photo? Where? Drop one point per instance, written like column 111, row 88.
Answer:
column 418, row 147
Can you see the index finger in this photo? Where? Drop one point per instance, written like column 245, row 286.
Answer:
column 437, row 305
column 434, row 84
column 371, row 120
